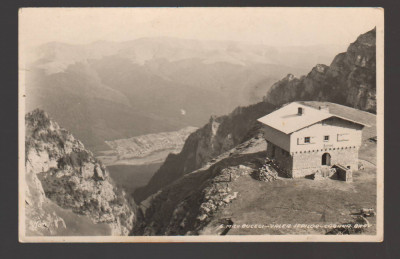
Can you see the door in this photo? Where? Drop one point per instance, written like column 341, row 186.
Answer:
column 326, row 159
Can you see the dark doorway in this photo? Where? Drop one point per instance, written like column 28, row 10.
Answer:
column 326, row 159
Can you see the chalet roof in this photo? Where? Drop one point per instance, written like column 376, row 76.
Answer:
column 287, row 120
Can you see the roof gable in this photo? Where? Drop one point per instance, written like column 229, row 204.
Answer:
column 287, row 120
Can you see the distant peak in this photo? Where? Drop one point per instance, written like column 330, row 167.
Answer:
column 289, row 77
column 368, row 38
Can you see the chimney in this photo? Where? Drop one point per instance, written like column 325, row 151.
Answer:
column 324, row 108
column 300, row 111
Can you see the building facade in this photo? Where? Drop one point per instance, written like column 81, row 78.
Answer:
column 303, row 139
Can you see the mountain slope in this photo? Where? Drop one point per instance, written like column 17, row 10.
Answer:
column 224, row 192
column 78, row 100
column 68, row 191
column 225, row 132
column 186, row 205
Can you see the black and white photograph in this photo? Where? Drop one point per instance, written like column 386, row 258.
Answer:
column 237, row 124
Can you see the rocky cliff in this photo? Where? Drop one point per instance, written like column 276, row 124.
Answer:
column 61, row 175
column 349, row 80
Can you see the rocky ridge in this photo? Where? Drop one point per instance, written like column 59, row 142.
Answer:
column 349, row 80
column 61, row 172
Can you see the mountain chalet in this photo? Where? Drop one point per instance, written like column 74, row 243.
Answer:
column 303, row 139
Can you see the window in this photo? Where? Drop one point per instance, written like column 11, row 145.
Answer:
column 326, row 138
column 343, row 137
column 305, row 140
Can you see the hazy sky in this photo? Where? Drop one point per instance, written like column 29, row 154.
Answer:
column 270, row 26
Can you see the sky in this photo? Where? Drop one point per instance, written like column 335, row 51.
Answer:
column 269, row 26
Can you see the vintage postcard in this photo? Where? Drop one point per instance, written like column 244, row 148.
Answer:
column 201, row 124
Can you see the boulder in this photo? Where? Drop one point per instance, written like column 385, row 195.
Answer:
column 87, row 170
column 99, row 173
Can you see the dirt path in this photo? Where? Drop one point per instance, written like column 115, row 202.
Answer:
column 367, row 163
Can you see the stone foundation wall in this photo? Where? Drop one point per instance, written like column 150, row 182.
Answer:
column 346, row 157
column 307, row 162
column 281, row 157
column 303, row 163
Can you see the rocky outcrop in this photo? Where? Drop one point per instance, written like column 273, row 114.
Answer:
column 349, row 80
column 59, row 169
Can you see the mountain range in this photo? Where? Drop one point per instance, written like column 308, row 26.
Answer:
column 101, row 91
